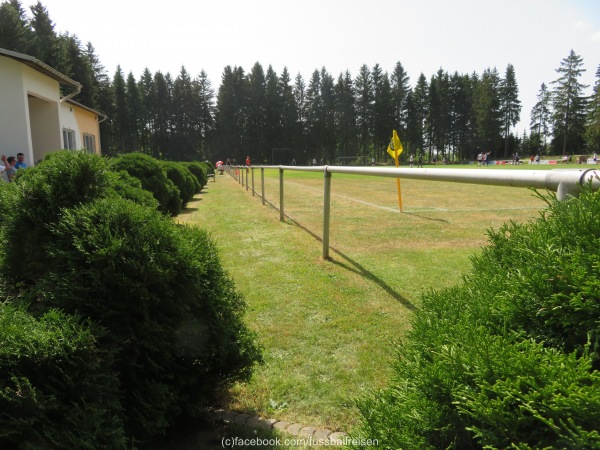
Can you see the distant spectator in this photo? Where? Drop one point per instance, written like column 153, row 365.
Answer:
column 20, row 161
column 9, row 164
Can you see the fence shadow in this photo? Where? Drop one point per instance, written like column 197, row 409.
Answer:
column 357, row 268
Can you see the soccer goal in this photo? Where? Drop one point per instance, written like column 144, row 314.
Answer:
column 352, row 160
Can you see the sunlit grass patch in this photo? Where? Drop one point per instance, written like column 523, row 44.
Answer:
column 327, row 327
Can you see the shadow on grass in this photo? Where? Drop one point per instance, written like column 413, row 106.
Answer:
column 196, row 434
column 355, row 267
column 426, row 218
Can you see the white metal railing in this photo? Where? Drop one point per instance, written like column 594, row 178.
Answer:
column 565, row 182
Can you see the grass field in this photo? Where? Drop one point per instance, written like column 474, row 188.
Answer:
column 328, row 327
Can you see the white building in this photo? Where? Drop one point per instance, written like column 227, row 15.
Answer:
column 35, row 119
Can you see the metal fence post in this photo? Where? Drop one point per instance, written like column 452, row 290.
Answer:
column 281, row 214
column 326, row 211
column 262, row 184
column 252, row 181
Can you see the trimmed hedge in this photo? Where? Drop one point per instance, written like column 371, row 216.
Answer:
column 172, row 329
column 183, row 179
column 509, row 357
column 57, row 388
column 153, row 178
column 199, row 171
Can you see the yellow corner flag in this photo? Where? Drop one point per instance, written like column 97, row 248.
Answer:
column 394, row 149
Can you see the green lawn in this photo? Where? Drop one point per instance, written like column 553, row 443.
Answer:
column 328, row 327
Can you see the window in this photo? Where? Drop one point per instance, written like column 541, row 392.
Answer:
column 89, row 143
column 68, row 139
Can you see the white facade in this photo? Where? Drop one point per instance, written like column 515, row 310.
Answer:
column 33, row 117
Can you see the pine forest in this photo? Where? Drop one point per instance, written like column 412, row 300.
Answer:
column 330, row 118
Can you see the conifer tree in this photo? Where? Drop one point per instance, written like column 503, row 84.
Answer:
column 540, row 120
column 299, row 91
column 569, row 106
column 313, row 111
column 439, row 112
column 45, row 42
column 592, row 132
column 274, row 137
column 327, row 116
column 254, row 136
column 400, row 88
column 289, row 113
column 345, row 115
column 383, row 112
column 134, row 106
column 488, row 123
column 510, row 106
column 15, row 33
column 205, row 113
column 418, row 107
column 364, row 109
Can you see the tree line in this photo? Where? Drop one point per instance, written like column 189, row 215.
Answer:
column 274, row 118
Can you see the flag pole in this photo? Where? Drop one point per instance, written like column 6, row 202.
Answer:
column 394, row 149
column 398, row 184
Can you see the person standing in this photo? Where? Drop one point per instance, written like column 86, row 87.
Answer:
column 9, row 164
column 412, row 160
column 420, row 161
column 20, row 161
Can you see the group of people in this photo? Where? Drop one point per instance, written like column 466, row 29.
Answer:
column 482, row 158
column 411, row 160
column 12, row 164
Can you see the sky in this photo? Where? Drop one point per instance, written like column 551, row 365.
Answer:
column 463, row 36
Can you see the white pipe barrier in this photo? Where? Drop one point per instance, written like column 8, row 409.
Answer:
column 565, row 182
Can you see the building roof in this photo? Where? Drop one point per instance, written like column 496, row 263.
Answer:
column 87, row 108
column 41, row 67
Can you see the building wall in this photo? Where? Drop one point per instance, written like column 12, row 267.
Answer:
column 14, row 116
column 88, row 124
column 81, row 121
column 44, row 125
column 32, row 117
column 29, row 118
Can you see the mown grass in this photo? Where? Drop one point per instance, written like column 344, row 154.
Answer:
column 327, row 327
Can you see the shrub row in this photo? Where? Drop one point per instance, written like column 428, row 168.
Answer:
column 509, row 358
column 173, row 184
column 127, row 317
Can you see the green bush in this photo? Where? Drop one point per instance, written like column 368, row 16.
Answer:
column 181, row 177
column 507, row 358
column 63, row 180
column 57, row 389
column 171, row 318
column 172, row 314
column 550, row 271
column 125, row 186
column 153, row 177
column 199, row 172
